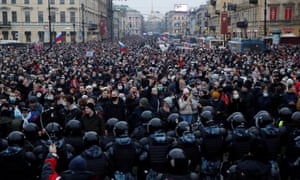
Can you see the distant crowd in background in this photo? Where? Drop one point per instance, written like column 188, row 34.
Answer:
column 149, row 114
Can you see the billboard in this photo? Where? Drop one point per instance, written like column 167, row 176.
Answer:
column 181, row 7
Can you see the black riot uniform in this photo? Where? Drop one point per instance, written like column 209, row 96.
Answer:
column 124, row 152
column 178, row 166
column 272, row 135
column 65, row 151
column 109, row 134
column 157, row 145
column 15, row 162
column 189, row 143
column 212, row 146
column 73, row 135
column 32, row 140
column 93, row 157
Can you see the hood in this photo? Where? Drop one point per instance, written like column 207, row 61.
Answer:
column 93, row 152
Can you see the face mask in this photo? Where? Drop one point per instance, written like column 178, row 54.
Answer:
column 124, row 98
column 265, row 94
column 120, row 87
column 114, row 98
column 63, row 103
column 12, row 99
column 235, row 96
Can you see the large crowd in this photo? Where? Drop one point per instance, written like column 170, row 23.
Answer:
column 89, row 110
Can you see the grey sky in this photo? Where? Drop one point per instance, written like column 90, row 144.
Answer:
column 144, row 6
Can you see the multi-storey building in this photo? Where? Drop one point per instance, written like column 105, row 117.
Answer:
column 255, row 18
column 197, row 21
column 77, row 20
column 126, row 21
column 176, row 22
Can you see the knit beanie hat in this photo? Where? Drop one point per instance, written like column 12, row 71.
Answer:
column 215, row 95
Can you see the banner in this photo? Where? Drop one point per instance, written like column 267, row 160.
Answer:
column 224, row 23
column 273, row 13
column 288, row 13
column 102, row 27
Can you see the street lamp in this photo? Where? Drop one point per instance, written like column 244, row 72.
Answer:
column 265, row 18
column 49, row 19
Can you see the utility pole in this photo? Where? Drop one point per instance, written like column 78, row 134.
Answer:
column 82, row 8
column 49, row 19
column 265, row 18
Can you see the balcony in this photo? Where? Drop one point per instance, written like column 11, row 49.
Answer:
column 5, row 25
column 92, row 27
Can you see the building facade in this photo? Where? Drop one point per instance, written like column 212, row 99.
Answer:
column 126, row 22
column 176, row 22
column 77, row 20
column 197, row 21
column 254, row 18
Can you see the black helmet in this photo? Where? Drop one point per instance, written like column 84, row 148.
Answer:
column 182, row 127
column 262, row 118
column 15, row 138
column 285, row 113
column 54, row 130
column 206, row 117
column 110, row 124
column 236, row 119
column 73, row 127
column 146, row 116
column 31, row 130
column 121, row 129
column 3, row 144
column 155, row 124
column 296, row 118
column 177, row 160
column 90, row 138
column 208, row 108
column 173, row 120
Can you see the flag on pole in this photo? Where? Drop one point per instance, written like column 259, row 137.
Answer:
column 59, row 38
column 122, row 47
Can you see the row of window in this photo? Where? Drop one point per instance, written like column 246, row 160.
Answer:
column 40, row 15
column 39, row 1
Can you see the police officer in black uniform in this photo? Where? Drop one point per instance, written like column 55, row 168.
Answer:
column 15, row 162
column 109, row 134
column 65, row 151
column 141, row 131
column 178, row 167
column 173, row 120
column 124, row 152
column 189, row 143
column 157, row 145
column 73, row 135
column 212, row 146
column 93, row 157
column 237, row 142
column 31, row 132
column 272, row 135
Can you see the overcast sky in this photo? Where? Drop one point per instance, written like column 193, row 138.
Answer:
column 144, row 6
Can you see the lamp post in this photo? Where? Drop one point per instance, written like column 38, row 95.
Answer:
column 49, row 19
column 82, row 8
column 265, row 18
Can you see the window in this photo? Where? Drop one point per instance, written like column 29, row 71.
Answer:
column 72, row 17
column 72, row 1
column 53, row 16
column 4, row 17
column 52, row 1
column 27, row 17
column 40, row 1
column 62, row 16
column 62, row 1
column 40, row 16
column 26, row 1
column 14, row 16
column 13, row 1
column 4, row 2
